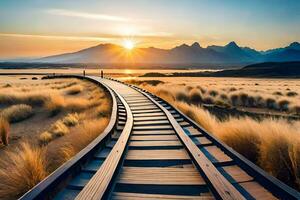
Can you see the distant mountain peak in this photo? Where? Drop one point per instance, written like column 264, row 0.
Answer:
column 196, row 45
column 232, row 44
column 181, row 54
column 295, row 45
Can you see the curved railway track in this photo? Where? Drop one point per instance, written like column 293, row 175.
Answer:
column 150, row 150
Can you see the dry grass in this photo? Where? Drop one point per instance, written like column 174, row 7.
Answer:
column 266, row 95
column 4, row 131
column 71, row 119
column 272, row 144
column 33, row 99
column 55, row 104
column 88, row 131
column 86, row 117
column 17, row 113
column 59, row 129
column 74, row 90
column 23, row 169
column 45, row 138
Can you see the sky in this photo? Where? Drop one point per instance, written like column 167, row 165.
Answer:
column 35, row 28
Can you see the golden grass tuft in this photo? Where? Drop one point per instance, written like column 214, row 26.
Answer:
column 17, row 113
column 4, row 131
column 45, row 138
column 33, row 99
column 71, row 119
column 241, row 135
column 55, row 104
column 21, row 170
column 89, row 130
column 202, row 117
column 59, row 129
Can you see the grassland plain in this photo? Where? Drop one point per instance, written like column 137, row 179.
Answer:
column 43, row 123
column 273, row 144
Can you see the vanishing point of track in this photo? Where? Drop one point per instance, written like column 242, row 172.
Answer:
column 150, row 150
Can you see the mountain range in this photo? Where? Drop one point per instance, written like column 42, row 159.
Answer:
column 183, row 55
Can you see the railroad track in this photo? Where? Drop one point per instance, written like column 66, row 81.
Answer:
column 150, row 150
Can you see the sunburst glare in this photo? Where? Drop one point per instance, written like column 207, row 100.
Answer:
column 128, row 44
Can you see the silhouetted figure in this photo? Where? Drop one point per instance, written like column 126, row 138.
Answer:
column 101, row 73
column 83, row 72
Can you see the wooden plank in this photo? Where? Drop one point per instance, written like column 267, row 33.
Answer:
column 257, row 191
column 155, row 118
column 154, row 137
column 154, row 143
column 221, row 185
column 157, row 155
column 153, row 132
column 161, row 122
column 137, row 101
column 237, row 173
column 148, row 103
column 184, row 123
column 98, row 184
column 203, row 140
column 218, row 154
column 149, row 114
column 139, row 196
column 160, row 176
column 193, row 131
column 153, row 127
column 146, row 111
column 133, row 108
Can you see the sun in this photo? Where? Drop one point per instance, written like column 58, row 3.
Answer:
column 128, row 44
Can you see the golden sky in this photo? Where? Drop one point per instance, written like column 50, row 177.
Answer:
column 36, row 28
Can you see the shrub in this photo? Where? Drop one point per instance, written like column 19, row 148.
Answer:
column 224, row 97
column 234, row 99
column 208, row 100
column 244, row 99
column 296, row 109
column 259, row 102
column 222, row 103
column 17, row 113
column 4, row 131
column 21, row 170
column 195, row 97
column 251, row 101
column 181, row 96
column 270, row 103
column 232, row 89
column 213, row 93
column 71, row 119
column 283, row 105
column 74, row 90
column 291, row 94
column 277, row 93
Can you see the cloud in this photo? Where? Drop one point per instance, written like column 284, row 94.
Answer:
column 71, row 13
column 57, row 37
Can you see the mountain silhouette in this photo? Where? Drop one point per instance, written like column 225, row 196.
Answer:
column 181, row 55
